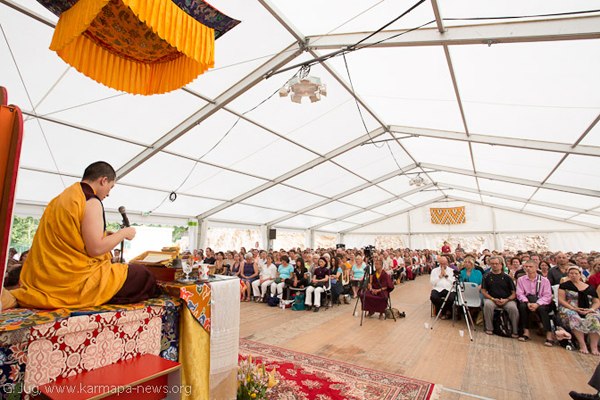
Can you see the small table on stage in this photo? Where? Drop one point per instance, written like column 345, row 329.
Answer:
column 209, row 335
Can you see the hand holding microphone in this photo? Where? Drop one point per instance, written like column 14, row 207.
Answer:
column 128, row 232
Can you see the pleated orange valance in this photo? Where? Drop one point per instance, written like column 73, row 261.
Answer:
column 138, row 46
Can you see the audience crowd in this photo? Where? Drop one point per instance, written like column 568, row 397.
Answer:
column 555, row 294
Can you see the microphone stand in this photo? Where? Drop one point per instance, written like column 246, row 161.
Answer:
column 121, row 258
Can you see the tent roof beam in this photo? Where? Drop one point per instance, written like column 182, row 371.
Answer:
column 573, row 28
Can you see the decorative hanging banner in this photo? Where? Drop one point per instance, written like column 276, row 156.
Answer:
column 138, row 46
column 448, row 216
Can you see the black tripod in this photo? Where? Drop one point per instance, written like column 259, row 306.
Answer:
column 459, row 300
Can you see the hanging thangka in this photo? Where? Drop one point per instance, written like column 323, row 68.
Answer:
column 448, row 216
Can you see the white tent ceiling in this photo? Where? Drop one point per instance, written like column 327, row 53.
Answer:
column 493, row 111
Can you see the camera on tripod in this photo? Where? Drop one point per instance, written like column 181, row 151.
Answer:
column 369, row 250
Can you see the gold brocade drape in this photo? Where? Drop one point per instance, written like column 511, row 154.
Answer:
column 194, row 356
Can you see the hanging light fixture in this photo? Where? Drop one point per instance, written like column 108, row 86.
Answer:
column 303, row 85
column 417, row 181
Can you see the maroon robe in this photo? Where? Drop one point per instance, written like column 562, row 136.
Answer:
column 378, row 302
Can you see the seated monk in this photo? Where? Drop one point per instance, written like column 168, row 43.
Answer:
column 378, row 291
column 69, row 263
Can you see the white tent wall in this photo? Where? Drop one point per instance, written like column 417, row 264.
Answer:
column 289, row 238
column 512, row 230
column 325, row 240
column 574, row 241
column 508, row 221
column 222, row 236
column 380, row 241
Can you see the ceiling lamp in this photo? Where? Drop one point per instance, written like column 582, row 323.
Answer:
column 417, row 181
column 298, row 88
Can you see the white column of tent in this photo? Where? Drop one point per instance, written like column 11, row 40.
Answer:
column 494, row 232
column 193, row 233
column 202, row 231
column 409, row 230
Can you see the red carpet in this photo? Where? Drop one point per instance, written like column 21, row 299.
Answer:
column 305, row 376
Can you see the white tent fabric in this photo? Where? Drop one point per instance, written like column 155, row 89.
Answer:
column 499, row 114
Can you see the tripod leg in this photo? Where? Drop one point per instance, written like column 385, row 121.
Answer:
column 390, row 307
column 441, row 309
column 466, row 313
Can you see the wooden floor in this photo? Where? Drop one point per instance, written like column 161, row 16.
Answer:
column 489, row 367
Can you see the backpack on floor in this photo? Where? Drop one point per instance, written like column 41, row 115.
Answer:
column 273, row 301
column 501, row 323
column 298, row 304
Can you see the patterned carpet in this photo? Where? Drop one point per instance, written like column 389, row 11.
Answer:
column 305, row 376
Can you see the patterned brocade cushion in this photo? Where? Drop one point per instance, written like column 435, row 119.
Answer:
column 19, row 318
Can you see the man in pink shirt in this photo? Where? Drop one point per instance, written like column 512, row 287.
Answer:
column 534, row 296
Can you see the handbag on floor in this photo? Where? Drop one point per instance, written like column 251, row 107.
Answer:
column 298, row 304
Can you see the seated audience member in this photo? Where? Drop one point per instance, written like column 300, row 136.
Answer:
column 582, row 263
column 535, row 297
column 69, row 263
column 221, row 267
column 235, row 268
column 388, row 263
column 357, row 274
column 441, row 279
column 514, row 268
column 116, row 257
column 486, row 263
column 594, row 279
column 284, row 276
column 267, row 273
column 469, row 273
column 12, row 275
column 210, row 256
column 262, row 259
column 228, row 261
column 577, row 312
column 300, row 277
column 560, row 271
column 337, row 287
column 498, row 290
column 11, row 262
column 544, row 269
column 320, row 280
column 399, row 270
column 378, row 290
column 248, row 274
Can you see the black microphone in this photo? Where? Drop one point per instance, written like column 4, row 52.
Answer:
column 125, row 219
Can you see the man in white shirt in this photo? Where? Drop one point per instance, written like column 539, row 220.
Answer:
column 267, row 274
column 441, row 280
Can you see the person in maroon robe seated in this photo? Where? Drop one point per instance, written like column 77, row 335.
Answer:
column 378, row 291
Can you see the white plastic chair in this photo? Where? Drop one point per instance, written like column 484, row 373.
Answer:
column 471, row 295
column 555, row 294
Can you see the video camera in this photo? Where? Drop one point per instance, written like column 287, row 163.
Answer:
column 369, row 250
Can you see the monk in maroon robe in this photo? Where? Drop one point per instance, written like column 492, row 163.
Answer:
column 378, row 291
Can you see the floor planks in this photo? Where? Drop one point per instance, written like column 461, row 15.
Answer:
column 489, row 367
